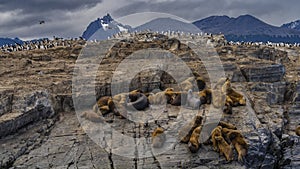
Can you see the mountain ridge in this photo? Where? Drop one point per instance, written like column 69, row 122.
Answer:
column 247, row 28
column 10, row 41
column 292, row 25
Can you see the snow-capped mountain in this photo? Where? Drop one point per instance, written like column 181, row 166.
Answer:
column 292, row 25
column 102, row 28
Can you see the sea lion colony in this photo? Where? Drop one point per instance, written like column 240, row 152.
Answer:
column 223, row 138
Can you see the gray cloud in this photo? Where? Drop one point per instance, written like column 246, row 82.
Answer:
column 274, row 12
column 62, row 17
column 69, row 18
column 41, row 6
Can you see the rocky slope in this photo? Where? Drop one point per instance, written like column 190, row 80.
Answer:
column 40, row 129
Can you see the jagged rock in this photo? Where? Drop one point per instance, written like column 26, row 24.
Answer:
column 296, row 98
column 290, row 152
column 263, row 73
column 259, row 145
column 238, row 76
column 6, row 98
column 32, row 107
column 275, row 91
column 272, row 54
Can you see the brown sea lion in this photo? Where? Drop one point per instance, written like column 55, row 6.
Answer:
column 194, row 143
column 216, row 132
column 224, row 148
column 179, row 98
column 186, row 131
column 92, row 116
column 200, row 83
column 104, row 104
column 236, row 98
column 238, row 141
column 224, row 124
column 158, row 137
column 297, row 130
column 162, row 97
column 205, row 96
column 140, row 104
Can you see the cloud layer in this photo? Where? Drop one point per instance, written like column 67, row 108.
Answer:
column 69, row 18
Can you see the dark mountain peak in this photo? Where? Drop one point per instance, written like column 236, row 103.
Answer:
column 218, row 17
column 292, row 25
column 95, row 25
column 215, row 18
column 212, row 22
column 107, row 26
column 248, row 19
column 107, row 18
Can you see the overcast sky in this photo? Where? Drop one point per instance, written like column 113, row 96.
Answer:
column 69, row 18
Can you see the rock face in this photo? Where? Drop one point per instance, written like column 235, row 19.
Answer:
column 31, row 108
column 39, row 127
column 6, row 97
column 263, row 73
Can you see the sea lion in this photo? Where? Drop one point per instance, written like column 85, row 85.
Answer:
column 140, row 104
column 205, row 96
column 236, row 98
column 104, row 104
column 191, row 100
column 187, row 130
column 169, row 93
column 158, row 137
column 119, row 104
column 224, row 148
column 227, row 108
column 120, row 98
column 215, row 133
column 200, row 83
column 224, row 124
column 194, row 143
column 238, row 141
column 92, row 116
column 297, row 130
column 162, row 97
column 229, row 100
column 133, row 95
column 189, row 84
column 179, row 98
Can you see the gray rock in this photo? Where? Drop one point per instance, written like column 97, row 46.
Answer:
column 32, row 107
column 6, row 98
column 263, row 73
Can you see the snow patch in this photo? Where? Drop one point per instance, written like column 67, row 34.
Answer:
column 294, row 24
column 122, row 29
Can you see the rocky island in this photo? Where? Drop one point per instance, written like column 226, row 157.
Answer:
column 39, row 127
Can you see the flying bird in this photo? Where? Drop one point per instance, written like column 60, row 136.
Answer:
column 42, row 22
